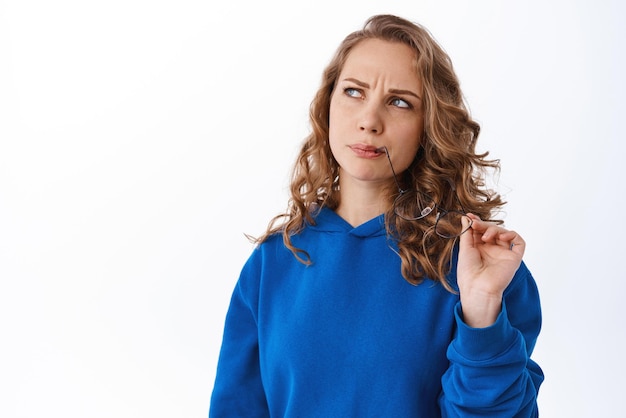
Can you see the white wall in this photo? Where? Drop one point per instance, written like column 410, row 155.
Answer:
column 139, row 141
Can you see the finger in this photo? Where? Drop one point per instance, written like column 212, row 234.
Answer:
column 510, row 241
column 518, row 248
column 516, row 243
column 507, row 235
column 467, row 239
column 483, row 232
column 494, row 234
column 505, row 239
column 479, row 224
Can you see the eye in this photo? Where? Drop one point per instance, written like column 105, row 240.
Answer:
column 352, row 92
column 400, row 103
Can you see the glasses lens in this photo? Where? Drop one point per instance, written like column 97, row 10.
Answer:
column 413, row 205
column 451, row 224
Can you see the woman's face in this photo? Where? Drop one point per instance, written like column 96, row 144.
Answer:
column 377, row 102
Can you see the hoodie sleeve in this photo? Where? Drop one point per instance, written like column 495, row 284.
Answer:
column 491, row 373
column 238, row 390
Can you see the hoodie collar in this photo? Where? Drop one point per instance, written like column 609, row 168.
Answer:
column 326, row 220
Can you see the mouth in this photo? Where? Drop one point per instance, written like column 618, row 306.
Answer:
column 367, row 151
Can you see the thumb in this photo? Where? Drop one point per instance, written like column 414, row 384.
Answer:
column 467, row 237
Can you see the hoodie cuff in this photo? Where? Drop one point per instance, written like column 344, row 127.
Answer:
column 483, row 343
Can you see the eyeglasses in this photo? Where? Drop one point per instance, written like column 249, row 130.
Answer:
column 413, row 205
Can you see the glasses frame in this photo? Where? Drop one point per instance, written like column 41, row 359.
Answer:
column 441, row 212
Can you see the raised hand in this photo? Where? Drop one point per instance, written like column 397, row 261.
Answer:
column 489, row 256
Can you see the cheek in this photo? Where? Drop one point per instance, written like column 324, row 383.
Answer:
column 407, row 159
column 334, row 111
column 336, row 120
column 407, row 153
column 417, row 136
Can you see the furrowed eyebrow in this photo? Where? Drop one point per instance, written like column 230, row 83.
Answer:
column 358, row 82
column 394, row 91
column 407, row 92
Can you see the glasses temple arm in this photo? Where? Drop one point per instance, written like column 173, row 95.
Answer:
column 395, row 177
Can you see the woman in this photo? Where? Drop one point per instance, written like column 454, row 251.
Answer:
column 387, row 289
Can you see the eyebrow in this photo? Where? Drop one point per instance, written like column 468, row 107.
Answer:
column 394, row 91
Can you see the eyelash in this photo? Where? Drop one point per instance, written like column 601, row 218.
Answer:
column 349, row 91
column 408, row 105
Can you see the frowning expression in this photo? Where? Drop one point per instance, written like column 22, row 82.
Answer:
column 377, row 102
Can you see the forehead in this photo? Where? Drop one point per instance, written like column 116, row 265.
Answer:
column 379, row 58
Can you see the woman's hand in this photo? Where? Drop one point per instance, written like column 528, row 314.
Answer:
column 489, row 256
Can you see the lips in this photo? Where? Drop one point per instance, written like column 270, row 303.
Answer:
column 366, row 151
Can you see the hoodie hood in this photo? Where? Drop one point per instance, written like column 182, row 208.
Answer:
column 326, row 220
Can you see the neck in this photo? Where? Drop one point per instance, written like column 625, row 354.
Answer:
column 360, row 202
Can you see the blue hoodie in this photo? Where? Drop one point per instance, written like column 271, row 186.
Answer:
column 348, row 337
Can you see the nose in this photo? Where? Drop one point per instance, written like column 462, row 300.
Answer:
column 370, row 120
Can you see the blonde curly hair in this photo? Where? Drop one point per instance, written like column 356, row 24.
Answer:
column 446, row 163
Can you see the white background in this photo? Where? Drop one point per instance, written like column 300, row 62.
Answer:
column 140, row 140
